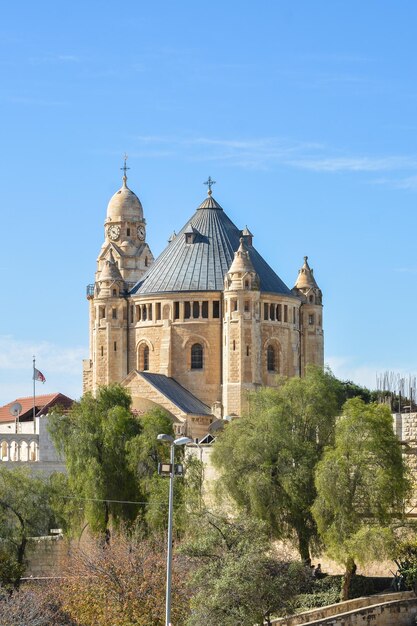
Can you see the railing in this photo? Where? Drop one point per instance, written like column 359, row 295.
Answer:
column 19, row 447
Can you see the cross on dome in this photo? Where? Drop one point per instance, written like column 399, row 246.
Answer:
column 125, row 168
column 209, row 182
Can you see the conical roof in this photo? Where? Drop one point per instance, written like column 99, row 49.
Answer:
column 110, row 270
column 241, row 263
column 305, row 278
column 203, row 264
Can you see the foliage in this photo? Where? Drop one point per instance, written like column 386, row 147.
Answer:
column 268, row 457
column 238, row 580
column 111, row 459
column 406, row 560
column 25, row 511
column 31, row 605
column 123, row 584
column 346, row 390
column 361, row 486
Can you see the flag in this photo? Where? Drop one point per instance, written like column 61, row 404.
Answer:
column 38, row 376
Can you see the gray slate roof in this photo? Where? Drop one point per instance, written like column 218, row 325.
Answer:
column 202, row 265
column 175, row 392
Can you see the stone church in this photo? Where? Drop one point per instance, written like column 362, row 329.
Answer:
column 202, row 325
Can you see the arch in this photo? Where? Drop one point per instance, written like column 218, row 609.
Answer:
column 4, row 451
column 143, row 349
column 24, row 451
column 197, row 356
column 166, row 312
column 272, row 356
column 33, row 451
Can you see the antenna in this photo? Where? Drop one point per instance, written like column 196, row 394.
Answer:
column 15, row 409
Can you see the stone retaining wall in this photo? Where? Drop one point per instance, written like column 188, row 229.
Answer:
column 389, row 609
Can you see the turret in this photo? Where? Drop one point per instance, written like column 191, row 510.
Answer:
column 311, row 318
column 241, row 343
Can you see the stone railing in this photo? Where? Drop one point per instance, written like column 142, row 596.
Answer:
column 388, row 607
column 17, row 447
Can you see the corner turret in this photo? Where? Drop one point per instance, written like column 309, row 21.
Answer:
column 311, row 318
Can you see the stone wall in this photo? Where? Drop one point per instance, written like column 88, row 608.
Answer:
column 393, row 609
column 46, row 556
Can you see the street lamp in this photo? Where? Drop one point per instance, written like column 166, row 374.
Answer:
column 181, row 441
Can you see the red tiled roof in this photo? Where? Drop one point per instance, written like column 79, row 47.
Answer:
column 42, row 404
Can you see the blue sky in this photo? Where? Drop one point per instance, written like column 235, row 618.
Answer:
column 302, row 111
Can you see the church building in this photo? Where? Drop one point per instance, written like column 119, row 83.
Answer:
column 202, row 325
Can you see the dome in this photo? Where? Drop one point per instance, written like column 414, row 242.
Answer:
column 124, row 205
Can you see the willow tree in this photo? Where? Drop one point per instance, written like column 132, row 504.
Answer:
column 361, row 487
column 110, row 456
column 268, row 457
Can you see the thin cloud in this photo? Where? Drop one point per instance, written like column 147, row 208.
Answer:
column 268, row 152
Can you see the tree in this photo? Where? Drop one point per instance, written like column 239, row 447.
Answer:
column 111, row 458
column 124, row 584
column 92, row 437
column 361, row 488
column 268, row 457
column 238, row 580
column 25, row 511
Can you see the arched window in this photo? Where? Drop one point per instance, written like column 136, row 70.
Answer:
column 270, row 359
column 197, row 356
column 143, row 357
column 146, row 358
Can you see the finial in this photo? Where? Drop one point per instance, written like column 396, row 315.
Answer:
column 305, row 259
column 209, row 182
column 125, row 168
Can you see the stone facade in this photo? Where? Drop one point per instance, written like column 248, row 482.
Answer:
column 208, row 313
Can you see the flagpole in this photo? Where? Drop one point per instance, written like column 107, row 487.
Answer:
column 34, row 392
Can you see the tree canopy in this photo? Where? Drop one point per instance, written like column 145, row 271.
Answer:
column 268, row 457
column 361, row 487
column 110, row 455
column 25, row 511
column 238, row 579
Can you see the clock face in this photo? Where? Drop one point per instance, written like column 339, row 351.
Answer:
column 113, row 232
column 141, row 232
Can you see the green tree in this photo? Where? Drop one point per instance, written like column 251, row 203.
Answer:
column 268, row 457
column 361, row 487
column 25, row 511
column 111, row 458
column 92, row 437
column 238, row 580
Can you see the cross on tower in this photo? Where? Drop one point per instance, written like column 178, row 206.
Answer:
column 209, row 182
column 125, row 168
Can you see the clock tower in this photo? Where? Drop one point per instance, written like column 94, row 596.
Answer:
column 123, row 259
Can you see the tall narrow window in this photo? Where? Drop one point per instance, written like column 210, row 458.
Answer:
column 158, row 311
column 216, row 308
column 196, row 310
column 145, row 358
column 279, row 314
column 272, row 312
column 176, row 310
column 196, row 356
column 270, row 359
column 204, row 309
column 266, row 312
column 285, row 313
column 187, row 310
column 115, row 346
column 311, row 319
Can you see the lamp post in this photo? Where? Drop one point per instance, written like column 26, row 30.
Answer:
column 181, row 441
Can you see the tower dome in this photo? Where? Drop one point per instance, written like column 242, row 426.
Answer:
column 125, row 205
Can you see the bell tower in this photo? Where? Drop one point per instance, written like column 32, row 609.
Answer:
column 123, row 259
